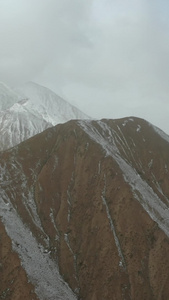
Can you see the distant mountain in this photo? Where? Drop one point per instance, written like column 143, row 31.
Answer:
column 45, row 104
column 87, row 203
column 7, row 96
column 34, row 108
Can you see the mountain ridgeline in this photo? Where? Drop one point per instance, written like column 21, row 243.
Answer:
column 85, row 213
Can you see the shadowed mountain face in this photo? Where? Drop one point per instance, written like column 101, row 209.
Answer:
column 86, row 210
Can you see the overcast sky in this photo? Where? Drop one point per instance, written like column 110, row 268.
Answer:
column 110, row 58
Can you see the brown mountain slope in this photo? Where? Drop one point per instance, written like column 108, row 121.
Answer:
column 93, row 197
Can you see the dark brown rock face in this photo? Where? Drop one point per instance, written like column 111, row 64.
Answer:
column 93, row 196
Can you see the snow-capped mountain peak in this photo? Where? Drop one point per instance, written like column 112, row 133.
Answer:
column 47, row 104
column 29, row 110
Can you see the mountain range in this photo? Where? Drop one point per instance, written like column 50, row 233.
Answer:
column 30, row 109
column 84, row 213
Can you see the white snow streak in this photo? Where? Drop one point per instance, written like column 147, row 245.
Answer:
column 42, row 271
column 122, row 261
column 163, row 135
column 157, row 210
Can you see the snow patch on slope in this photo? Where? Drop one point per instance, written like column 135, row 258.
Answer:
column 16, row 125
column 163, row 135
column 120, row 253
column 42, row 271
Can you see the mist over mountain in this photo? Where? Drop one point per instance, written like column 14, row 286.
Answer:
column 7, row 96
column 84, row 207
column 29, row 110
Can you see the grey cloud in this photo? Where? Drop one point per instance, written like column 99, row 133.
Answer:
column 34, row 33
column 108, row 57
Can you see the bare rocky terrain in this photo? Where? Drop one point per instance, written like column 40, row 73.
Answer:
column 84, row 212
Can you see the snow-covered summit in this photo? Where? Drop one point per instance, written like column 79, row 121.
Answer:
column 45, row 103
column 29, row 110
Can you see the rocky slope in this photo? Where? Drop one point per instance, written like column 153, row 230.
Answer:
column 13, row 278
column 29, row 110
column 86, row 202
